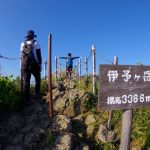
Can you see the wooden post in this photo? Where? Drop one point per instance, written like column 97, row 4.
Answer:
column 86, row 66
column 45, row 68
column 58, row 67
column 126, row 129
column 50, row 76
column 94, row 69
column 110, row 113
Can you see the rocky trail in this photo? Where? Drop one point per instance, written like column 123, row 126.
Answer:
column 71, row 128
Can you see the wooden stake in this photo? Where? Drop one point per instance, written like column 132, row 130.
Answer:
column 126, row 129
column 94, row 69
column 86, row 66
column 50, row 76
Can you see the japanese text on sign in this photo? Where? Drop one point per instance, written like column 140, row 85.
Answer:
column 124, row 86
column 126, row 76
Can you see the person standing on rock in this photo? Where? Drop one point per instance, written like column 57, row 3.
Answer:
column 69, row 64
column 31, row 61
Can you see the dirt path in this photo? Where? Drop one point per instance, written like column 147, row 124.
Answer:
column 25, row 129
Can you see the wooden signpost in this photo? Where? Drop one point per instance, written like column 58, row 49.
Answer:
column 124, row 87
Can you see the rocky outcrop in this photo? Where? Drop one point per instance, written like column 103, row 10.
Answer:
column 105, row 135
column 25, row 129
column 90, row 122
column 72, row 127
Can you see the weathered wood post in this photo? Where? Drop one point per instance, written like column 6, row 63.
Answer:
column 50, row 76
column 86, row 66
column 94, row 69
column 45, row 69
column 58, row 67
column 126, row 129
column 110, row 113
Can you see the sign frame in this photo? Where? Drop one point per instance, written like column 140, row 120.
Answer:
column 123, row 86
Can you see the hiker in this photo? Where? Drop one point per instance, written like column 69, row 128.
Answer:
column 69, row 64
column 31, row 61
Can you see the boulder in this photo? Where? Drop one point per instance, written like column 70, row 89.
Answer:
column 64, row 142
column 61, row 123
column 105, row 135
column 90, row 122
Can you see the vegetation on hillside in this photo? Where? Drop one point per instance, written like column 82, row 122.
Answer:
column 10, row 95
column 10, row 98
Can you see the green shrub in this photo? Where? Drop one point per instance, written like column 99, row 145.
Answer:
column 44, row 86
column 50, row 137
column 10, row 95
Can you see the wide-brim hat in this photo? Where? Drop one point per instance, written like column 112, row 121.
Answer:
column 30, row 33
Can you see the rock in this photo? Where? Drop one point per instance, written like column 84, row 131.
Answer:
column 70, row 85
column 32, row 120
column 73, row 94
column 14, row 148
column 90, row 131
column 84, row 146
column 61, row 87
column 78, row 126
column 17, row 140
column 70, row 111
column 90, row 122
column 26, row 130
column 64, row 142
column 60, row 104
column 38, row 108
column 29, row 110
column 31, row 140
column 61, row 123
column 105, row 135
column 15, row 123
column 85, row 98
column 4, row 138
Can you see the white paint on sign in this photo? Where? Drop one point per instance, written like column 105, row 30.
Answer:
column 146, row 76
column 112, row 75
column 127, row 99
column 126, row 75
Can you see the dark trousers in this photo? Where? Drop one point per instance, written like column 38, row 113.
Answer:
column 27, row 71
column 68, row 71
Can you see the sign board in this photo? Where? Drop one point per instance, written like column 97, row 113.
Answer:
column 123, row 86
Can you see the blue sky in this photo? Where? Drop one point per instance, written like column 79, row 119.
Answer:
column 115, row 27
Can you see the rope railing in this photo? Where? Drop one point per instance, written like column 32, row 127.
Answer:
column 104, row 58
column 9, row 58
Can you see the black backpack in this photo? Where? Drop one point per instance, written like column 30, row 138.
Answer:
column 28, row 56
